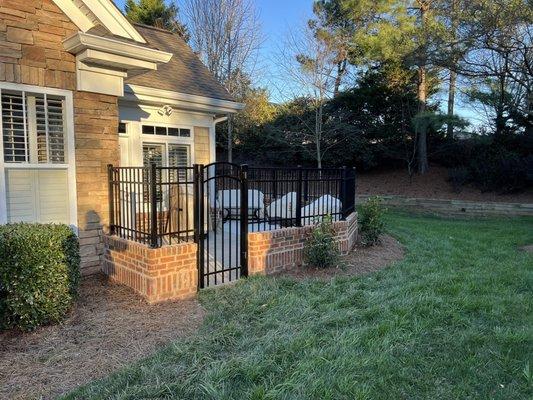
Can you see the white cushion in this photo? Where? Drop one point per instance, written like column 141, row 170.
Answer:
column 285, row 207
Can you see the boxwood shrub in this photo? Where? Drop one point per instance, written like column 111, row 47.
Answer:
column 39, row 274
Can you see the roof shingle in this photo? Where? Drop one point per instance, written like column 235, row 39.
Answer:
column 184, row 73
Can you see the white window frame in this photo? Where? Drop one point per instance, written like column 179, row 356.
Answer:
column 166, row 140
column 70, row 166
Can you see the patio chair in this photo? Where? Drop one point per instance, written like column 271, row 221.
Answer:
column 229, row 201
column 283, row 208
column 316, row 210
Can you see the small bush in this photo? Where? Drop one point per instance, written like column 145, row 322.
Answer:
column 321, row 249
column 39, row 273
column 371, row 220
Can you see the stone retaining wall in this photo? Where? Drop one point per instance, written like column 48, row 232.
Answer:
column 455, row 207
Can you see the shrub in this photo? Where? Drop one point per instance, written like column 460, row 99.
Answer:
column 491, row 163
column 371, row 221
column 321, row 249
column 458, row 177
column 39, row 273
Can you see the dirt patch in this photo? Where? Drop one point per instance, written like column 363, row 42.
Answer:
column 432, row 185
column 528, row 248
column 109, row 327
column 362, row 260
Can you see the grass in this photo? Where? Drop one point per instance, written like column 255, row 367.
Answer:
column 453, row 320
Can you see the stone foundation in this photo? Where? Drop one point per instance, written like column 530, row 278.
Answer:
column 280, row 250
column 167, row 273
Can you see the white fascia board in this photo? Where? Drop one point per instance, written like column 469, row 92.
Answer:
column 114, row 61
column 111, row 17
column 81, row 41
column 142, row 94
column 75, row 14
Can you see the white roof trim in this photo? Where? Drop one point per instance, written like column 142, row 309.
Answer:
column 81, row 41
column 105, row 12
column 72, row 11
column 143, row 94
column 111, row 17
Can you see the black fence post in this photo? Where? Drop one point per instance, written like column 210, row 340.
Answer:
column 306, row 187
column 244, row 220
column 351, row 189
column 197, row 217
column 111, row 199
column 274, row 185
column 299, row 197
column 344, row 186
column 153, row 206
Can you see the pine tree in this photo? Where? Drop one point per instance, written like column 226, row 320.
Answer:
column 156, row 13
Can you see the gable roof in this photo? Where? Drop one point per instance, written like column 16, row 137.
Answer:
column 184, row 73
column 89, row 13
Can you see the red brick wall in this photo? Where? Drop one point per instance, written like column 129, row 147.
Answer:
column 279, row 250
column 31, row 52
column 167, row 273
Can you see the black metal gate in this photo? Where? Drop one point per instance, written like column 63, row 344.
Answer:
column 222, row 222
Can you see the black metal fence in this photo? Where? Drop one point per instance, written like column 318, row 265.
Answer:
column 152, row 205
column 283, row 197
column 159, row 205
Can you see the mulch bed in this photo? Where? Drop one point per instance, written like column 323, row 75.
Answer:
column 109, row 327
column 362, row 260
column 432, row 185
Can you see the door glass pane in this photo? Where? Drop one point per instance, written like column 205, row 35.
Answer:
column 178, row 156
column 152, row 154
column 148, row 130
column 160, row 130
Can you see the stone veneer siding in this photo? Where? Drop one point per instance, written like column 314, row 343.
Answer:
column 282, row 249
column 167, row 273
column 31, row 52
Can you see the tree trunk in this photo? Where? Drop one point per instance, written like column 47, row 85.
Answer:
column 230, row 138
column 451, row 102
column 453, row 74
column 341, row 69
column 422, row 151
column 318, row 134
column 529, row 119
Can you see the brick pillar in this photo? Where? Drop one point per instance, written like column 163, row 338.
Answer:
column 167, row 273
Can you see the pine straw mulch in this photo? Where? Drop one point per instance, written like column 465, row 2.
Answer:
column 361, row 260
column 109, row 328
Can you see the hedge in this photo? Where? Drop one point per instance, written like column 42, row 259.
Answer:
column 39, row 274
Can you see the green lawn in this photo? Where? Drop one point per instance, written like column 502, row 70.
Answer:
column 453, row 320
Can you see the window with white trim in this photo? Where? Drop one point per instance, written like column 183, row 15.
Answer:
column 33, row 127
column 37, row 181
